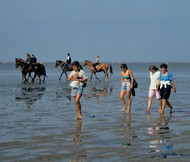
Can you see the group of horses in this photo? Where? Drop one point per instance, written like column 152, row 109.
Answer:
column 99, row 68
column 39, row 69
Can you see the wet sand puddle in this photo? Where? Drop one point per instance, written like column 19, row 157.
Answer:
column 36, row 122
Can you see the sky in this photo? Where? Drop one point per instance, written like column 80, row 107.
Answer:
column 116, row 30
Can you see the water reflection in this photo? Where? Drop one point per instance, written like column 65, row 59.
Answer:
column 30, row 94
column 97, row 90
column 160, row 143
column 64, row 93
column 78, row 150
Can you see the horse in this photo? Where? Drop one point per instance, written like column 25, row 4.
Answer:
column 100, row 67
column 64, row 68
column 37, row 68
column 24, row 69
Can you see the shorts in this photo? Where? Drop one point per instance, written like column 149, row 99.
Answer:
column 126, row 86
column 165, row 92
column 76, row 91
column 154, row 93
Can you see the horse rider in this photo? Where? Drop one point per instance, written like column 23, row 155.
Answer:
column 28, row 59
column 68, row 62
column 33, row 59
column 96, row 63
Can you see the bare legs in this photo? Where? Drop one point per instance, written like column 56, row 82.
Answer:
column 128, row 94
column 150, row 103
column 78, row 107
column 164, row 103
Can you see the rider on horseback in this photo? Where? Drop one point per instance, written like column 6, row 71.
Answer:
column 96, row 63
column 68, row 62
column 33, row 59
column 28, row 59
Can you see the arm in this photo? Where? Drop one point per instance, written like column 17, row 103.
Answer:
column 157, row 86
column 132, row 79
column 121, row 77
column 82, row 77
column 173, row 85
column 72, row 76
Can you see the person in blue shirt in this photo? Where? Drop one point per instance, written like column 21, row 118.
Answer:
column 165, row 84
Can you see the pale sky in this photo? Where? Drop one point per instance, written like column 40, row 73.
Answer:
column 116, row 30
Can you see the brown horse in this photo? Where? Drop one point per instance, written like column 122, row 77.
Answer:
column 37, row 68
column 24, row 69
column 64, row 67
column 99, row 68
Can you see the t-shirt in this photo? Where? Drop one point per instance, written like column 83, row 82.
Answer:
column 82, row 74
column 168, row 77
column 154, row 79
column 97, row 60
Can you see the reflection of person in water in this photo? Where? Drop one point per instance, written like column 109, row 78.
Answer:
column 161, row 132
column 127, row 138
column 101, row 91
column 77, row 139
column 30, row 94
column 78, row 151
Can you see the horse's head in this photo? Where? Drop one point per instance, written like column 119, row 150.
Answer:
column 58, row 62
column 86, row 62
column 18, row 62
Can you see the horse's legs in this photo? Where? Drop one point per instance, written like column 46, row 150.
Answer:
column 66, row 74
column 34, row 77
column 39, row 79
column 91, row 75
column 61, row 75
column 96, row 76
column 44, row 78
column 106, row 73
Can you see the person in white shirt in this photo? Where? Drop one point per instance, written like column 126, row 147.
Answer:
column 78, row 78
column 154, row 79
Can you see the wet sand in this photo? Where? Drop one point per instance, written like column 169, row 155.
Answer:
column 36, row 120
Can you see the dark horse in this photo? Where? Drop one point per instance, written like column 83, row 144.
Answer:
column 37, row 68
column 64, row 68
column 101, row 67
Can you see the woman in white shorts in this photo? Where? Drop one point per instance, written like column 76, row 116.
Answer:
column 154, row 79
column 78, row 78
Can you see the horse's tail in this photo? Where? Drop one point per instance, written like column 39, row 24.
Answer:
column 45, row 72
column 111, row 70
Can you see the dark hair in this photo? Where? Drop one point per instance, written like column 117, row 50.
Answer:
column 68, row 54
column 153, row 67
column 123, row 66
column 164, row 66
column 76, row 63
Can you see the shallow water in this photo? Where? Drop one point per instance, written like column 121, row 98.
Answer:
column 36, row 120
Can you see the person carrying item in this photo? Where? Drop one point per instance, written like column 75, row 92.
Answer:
column 78, row 78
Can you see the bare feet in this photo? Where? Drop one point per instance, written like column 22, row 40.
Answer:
column 128, row 111
column 123, row 109
column 147, row 109
column 161, row 112
column 78, row 118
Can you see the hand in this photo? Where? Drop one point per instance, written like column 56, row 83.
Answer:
column 131, row 86
column 75, row 75
column 174, row 89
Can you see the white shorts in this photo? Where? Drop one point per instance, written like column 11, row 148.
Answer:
column 154, row 93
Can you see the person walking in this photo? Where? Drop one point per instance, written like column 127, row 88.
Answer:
column 78, row 78
column 126, row 86
column 154, row 79
column 165, row 85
